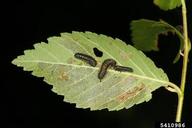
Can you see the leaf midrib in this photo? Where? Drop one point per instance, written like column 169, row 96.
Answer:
column 96, row 68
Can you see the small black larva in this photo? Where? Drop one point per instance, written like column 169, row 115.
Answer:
column 122, row 68
column 88, row 59
column 105, row 65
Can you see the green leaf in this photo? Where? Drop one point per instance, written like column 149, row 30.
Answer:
column 78, row 81
column 145, row 34
column 167, row 4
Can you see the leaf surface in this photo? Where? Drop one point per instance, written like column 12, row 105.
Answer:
column 167, row 4
column 78, row 81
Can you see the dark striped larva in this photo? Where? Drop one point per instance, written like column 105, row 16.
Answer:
column 88, row 59
column 105, row 65
column 122, row 68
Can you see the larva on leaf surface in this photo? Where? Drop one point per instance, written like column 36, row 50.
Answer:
column 105, row 65
column 86, row 58
column 123, row 68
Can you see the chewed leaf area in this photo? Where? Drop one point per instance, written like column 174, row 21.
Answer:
column 145, row 34
column 70, row 64
column 97, row 52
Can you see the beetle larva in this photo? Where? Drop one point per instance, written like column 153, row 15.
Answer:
column 88, row 59
column 122, row 68
column 105, row 65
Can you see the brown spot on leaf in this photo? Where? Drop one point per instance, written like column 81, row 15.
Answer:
column 130, row 93
column 63, row 76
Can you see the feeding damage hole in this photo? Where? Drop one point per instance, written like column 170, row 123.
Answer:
column 97, row 52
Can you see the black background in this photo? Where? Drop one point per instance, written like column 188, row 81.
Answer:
column 27, row 100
